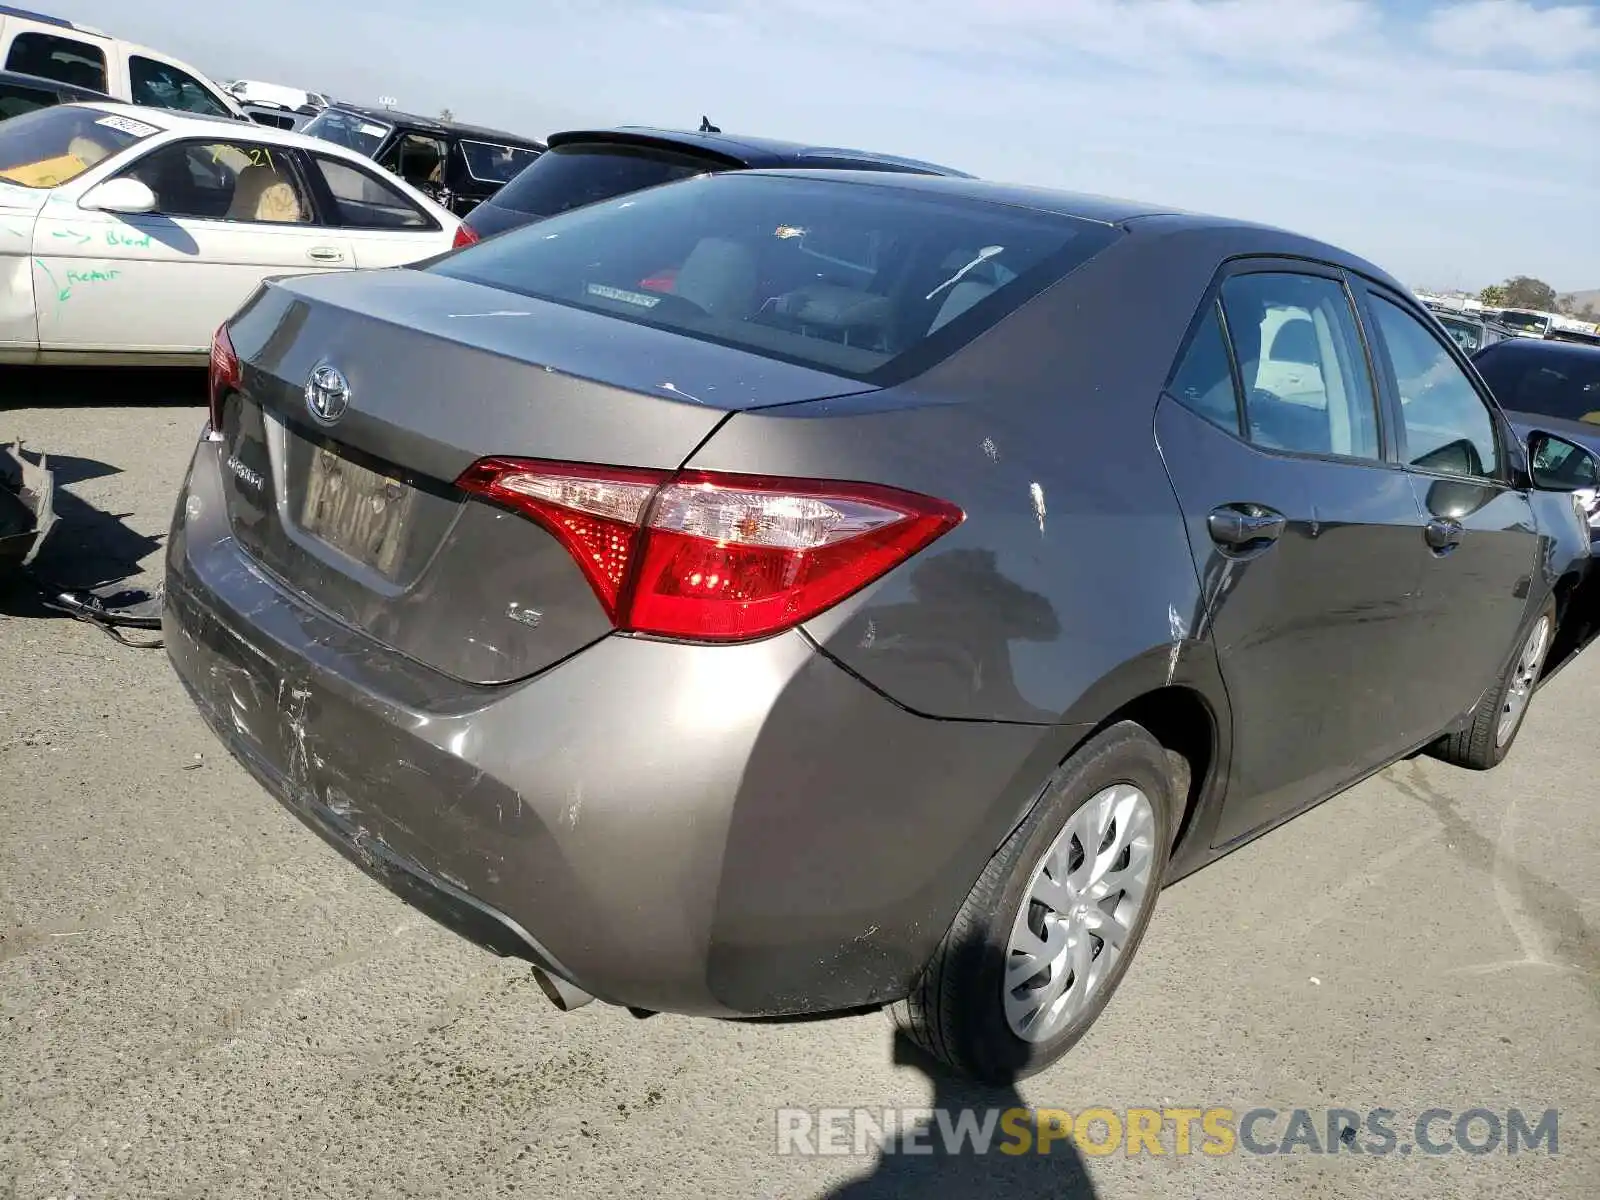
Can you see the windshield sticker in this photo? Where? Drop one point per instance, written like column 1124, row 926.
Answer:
column 128, row 125
column 372, row 130
column 626, row 297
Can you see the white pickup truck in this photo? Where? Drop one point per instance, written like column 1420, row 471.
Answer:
column 51, row 48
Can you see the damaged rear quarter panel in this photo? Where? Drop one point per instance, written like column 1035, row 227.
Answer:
column 1073, row 561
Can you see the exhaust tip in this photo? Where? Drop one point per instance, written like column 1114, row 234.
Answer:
column 565, row 996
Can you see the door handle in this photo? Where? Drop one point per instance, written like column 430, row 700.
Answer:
column 1443, row 534
column 325, row 254
column 1237, row 526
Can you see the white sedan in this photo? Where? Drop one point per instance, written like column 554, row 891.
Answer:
column 127, row 235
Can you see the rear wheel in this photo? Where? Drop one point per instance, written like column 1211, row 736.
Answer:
column 1497, row 721
column 1053, row 923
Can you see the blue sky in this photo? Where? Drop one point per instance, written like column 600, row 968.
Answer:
column 1455, row 142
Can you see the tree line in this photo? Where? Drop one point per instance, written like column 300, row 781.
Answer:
column 1524, row 291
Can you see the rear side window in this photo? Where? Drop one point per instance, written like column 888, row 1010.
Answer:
column 366, row 202
column 494, row 162
column 866, row 281
column 1302, row 364
column 566, row 177
column 15, row 100
column 1203, row 381
column 1538, row 378
column 65, row 59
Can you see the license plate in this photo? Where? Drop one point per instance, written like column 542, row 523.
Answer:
column 357, row 511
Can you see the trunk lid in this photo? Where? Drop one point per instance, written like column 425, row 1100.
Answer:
column 360, row 514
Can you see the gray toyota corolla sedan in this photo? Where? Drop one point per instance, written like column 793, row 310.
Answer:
column 779, row 593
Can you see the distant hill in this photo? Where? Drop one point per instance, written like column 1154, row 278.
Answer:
column 1576, row 300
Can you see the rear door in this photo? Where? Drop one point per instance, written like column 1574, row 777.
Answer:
column 1305, row 532
column 1482, row 537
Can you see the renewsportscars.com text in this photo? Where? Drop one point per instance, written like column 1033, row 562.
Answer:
column 1212, row 1132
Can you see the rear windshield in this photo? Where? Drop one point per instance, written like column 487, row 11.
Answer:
column 350, row 130
column 865, row 281
column 49, row 146
column 1543, row 379
column 565, row 177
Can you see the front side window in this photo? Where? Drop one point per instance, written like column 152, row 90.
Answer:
column 1448, row 427
column 51, row 146
column 1302, row 365
column 64, row 59
column 162, row 85
column 1203, row 380
column 850, row 278
column 493, row 162
column 225, row 181
column 366, row 202
column 350, row 130
column 1544, row 379
column 570, row 176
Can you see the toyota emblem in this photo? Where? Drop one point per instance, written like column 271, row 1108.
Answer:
column 327, row 394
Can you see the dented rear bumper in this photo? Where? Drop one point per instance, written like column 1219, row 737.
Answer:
column 739, row 830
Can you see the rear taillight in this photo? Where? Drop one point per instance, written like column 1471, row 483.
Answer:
column 465, row 236
column 225, row 374
column 708, row 556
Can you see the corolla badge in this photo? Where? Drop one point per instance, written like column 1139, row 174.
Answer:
column 327, row 394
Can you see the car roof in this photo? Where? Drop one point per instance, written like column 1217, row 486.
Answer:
column 44, row 83
column 1547, row 347
column 174, row 121
column 390, row 116
column 742, row 151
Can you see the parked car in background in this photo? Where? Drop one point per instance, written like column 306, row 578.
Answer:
column 129, row 234
column 1549, row 384
column 582, row 166
column 51, row 48
column 883, row 610
column 276, row 95
column 1472, row 333
column 458, row 165
column 24, row 93
column 1524, row 322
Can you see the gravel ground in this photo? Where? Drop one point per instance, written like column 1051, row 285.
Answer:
column 198, row 999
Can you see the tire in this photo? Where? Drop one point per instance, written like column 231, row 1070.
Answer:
column 1483, row 744
column 959, row 1011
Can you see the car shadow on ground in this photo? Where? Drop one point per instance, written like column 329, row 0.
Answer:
column 922, row 1162
column 88, row 547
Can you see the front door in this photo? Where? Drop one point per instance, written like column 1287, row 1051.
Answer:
column 1305, row 535
column 229, row 214
column 1483, row 546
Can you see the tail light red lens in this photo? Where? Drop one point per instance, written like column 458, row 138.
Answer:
column 465, row 236
column 716, row 557
column 225, row 374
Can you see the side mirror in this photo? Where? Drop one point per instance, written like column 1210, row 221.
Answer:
column 1558, row 465
column 120, row 196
